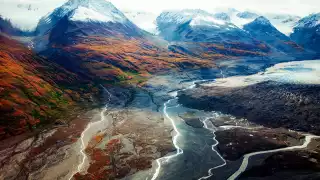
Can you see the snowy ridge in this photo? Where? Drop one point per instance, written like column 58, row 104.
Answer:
column 238, row 18
column 92, row 10
column 283, row 22
column 310, row 21
column 196, row 17
column 206, row 20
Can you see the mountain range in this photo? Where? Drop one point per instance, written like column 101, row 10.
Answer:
column 87, row 42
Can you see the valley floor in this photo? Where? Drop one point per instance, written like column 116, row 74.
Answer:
column 146, row 133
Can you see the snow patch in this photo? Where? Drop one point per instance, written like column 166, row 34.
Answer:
column 206, row 20
column 86, row 14
column 82, row 10
column 310, row 21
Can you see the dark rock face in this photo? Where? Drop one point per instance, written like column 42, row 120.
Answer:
column 307, row 32
column 268, row 103
column 308, row 37
column 286, row 165
column 234, row 143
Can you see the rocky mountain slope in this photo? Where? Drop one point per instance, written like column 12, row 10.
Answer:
column 203, row 34
column 307, row 32
column 229, row 33
column 262, row 29
column 111, row 48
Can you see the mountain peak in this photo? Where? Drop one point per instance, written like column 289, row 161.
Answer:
column 262, row 20
column 83, row 10
column 94, row 10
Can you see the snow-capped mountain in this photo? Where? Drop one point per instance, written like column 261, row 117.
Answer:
column 144, row 20
column 307, row 32
column 195, row 16
column 99, row 11
column 199, row 33
column 192, row 24
column 310, row 21
column 283, row 22
column 77, row 19
column 262, row 30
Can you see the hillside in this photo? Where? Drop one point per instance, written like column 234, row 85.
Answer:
column 33, row 91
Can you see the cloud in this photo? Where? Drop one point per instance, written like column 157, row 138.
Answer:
column 28, row 19
column 298, row 7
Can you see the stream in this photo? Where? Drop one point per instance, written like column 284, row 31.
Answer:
column 91, row 129
column 246, row 157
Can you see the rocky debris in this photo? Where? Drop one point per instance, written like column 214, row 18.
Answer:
column 224, row 120
column 136, row 138
column 234, row 143
column 269, row 103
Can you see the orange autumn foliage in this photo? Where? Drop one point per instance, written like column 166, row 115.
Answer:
column 112, row 58
column 29, row 94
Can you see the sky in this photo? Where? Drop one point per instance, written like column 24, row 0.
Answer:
column 27, row 18
column 297, row 7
